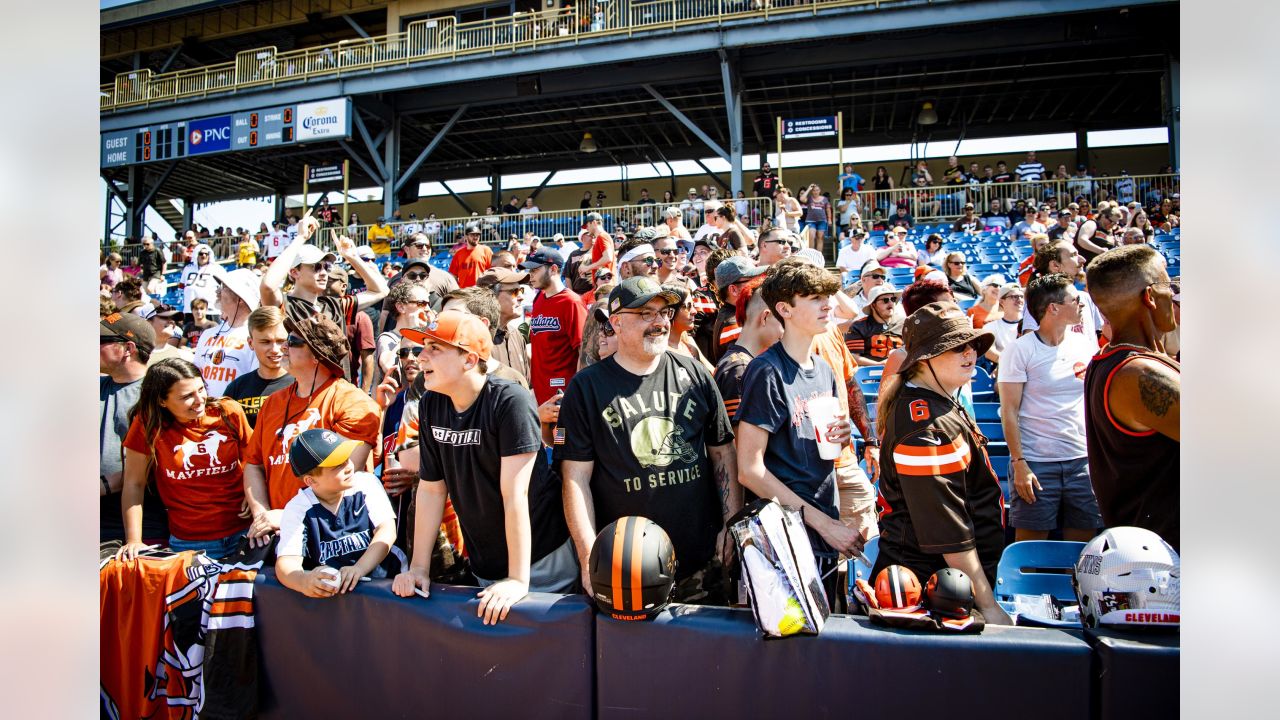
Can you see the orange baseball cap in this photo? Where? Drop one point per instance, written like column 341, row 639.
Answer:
column 459, row 329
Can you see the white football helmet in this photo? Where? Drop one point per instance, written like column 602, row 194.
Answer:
column 1128, row 577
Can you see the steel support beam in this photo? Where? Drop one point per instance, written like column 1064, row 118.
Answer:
column 684, row 120
column 716, row 177
column 370, row 144
column 431, row 147
column 356, row 26
column 189, row 213
column 1082, row 147
column 373, row 174
column 733, row 107
column 543, row 184
column 277, row 204
column 390, row 181
column 146, row 199
column 456, row 197
column 131, row 213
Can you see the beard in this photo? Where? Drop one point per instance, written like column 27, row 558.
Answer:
column 655, row 344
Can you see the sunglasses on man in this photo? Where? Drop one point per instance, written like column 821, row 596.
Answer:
column 294, row 341
column 414, row 276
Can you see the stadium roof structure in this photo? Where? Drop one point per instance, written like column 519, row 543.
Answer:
column 1096, row 69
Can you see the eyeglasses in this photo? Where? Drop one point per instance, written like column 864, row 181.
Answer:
column 606, row 329
column 405, row 352
column 1017, row 298
column 1074, row 299
column 652, row 261
column 326, row 266
column 518, row 290
column 876, row 276
column 888, row 300
column 415, row 276
column 650, row 315
column 604, row 278
column 418, row 303
column 295, row 341
column 962, row 348
column 418, row 245
column 668, row 251
column 953, row 262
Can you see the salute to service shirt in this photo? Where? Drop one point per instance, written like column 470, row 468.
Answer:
column 337, row 405
column 648, row 437
column 198, row 471
column 939, row 491
column 465, row 451
column 555, row 334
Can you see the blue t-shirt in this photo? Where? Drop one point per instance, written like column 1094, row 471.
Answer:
column 775, row 396
column 852, row 181
column 321, row 537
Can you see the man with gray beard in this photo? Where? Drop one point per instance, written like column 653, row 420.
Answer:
column 644, row 432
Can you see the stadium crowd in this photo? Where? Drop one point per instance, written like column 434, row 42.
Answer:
column 492, row 416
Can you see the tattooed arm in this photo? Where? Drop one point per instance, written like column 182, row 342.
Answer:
column 1146, row 395
column 724, row 463
column 862, row 420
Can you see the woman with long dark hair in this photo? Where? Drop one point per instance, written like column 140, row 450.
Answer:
column 946, row 506
column 191, row 448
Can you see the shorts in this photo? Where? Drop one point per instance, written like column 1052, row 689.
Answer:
column 556, row 572
column 856, row 499
column 215, row 549
column 1065, row 500
column 821, row 227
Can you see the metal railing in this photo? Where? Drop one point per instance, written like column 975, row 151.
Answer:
column 946, row 203
column 442, row 38
column 499, row 230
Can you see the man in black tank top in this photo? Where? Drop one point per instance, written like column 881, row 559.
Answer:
column 1132, row 395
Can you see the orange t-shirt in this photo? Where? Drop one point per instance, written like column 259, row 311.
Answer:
column 198, row 470
column 337, row 405
column 981, row 317
column 470, row 263
column 830, row 347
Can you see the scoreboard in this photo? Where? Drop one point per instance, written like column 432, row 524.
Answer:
column 266, row 127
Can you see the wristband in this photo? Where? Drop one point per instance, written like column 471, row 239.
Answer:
column 1014, row 460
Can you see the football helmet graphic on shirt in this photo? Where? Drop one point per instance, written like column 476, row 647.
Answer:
column 294, row 429
column 656, row 442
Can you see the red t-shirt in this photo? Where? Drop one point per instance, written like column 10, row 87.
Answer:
column 198, row 470
column 337, row 405
column 470, row 263
column 601, row 243
column 555, row 334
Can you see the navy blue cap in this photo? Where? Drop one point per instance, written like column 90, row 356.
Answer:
column 544, row 256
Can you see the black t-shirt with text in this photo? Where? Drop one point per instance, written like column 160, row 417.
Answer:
column 648, row 437
column 251, row 391
column 465, row 451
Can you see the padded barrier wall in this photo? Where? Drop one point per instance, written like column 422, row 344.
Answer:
column 372, row 654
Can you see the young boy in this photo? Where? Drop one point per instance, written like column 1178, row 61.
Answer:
column 485, row 453
column 198, row 324
column 777, row 444
column 341, row 521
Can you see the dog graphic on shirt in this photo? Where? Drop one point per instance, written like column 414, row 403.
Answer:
column 208, row 446
column 294, row 429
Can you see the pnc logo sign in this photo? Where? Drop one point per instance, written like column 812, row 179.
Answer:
column 209, row 135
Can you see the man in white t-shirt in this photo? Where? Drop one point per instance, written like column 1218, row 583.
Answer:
column 1062, row 257
column 291, row 231
column 1042, row 411
column 275, row 241
column 853, row 256
column 223, row 352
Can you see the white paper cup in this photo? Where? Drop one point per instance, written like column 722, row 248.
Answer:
column 822, row 412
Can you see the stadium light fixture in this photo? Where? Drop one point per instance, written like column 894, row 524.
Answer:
column 927, row 116
column 588, row 144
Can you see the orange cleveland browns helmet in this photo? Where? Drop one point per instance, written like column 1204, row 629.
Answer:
column 897, row 588
column 633, row 569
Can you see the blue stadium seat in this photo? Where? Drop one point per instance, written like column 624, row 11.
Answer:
column 993, row 430
column 869, row 378
column 965, row 304
column 1035, row 567
column 858, row 570
column 982, row 381
column 986, row 412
